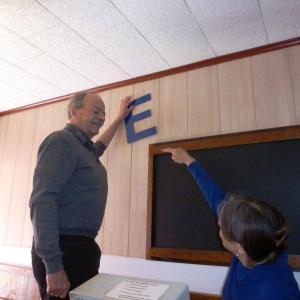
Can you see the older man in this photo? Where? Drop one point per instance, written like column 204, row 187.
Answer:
column 69, row 197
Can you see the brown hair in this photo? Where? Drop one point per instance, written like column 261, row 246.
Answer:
column 258, row 226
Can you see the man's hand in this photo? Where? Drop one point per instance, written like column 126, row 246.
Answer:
column 125, row 108
column 179, row 155
column 58, row 284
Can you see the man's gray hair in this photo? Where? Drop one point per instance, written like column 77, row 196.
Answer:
column 76, row 102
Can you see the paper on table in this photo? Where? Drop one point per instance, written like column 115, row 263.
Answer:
column 138, row 290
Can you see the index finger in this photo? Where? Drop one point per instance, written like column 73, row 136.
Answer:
column 168, row 150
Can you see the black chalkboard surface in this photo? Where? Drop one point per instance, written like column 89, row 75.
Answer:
column 264, row 164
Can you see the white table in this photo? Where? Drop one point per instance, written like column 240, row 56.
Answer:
column 108, row 286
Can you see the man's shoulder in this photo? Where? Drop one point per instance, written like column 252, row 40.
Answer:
column 62, row 135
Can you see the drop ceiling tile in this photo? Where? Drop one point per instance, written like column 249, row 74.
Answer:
column 98, row 69
column 282, row 18
column 9, row 72
column 75, row 84
column 110, row 32
column 230, row 25
column 166, row 25
column 37, row 87
column 55, row 73
column 14, row 49
column 25, row 17
column 12, row 95
column 5, row 105
column 62, row 43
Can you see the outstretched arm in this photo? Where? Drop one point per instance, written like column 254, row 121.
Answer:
column 213, row 194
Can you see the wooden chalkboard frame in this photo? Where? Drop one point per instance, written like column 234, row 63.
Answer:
column 249, row 137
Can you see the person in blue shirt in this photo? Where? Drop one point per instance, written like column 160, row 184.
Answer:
column 255, row 233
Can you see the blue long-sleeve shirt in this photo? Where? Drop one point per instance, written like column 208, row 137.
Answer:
column 274, row 281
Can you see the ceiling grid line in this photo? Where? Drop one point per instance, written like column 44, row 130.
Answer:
column 52, row 48
column 144, row 37
column 263, row 21
column 87, row 41
column 204, row 34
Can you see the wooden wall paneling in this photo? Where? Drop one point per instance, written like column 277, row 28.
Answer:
column 173, row 107
column 19, row 200
column 3, row 133
column 105, row 96
column 203, row 102
column 236, row 96
column 43, row 127
column 59, row 115
column 139, row 169
column 273, row 90
column 116, row 223
column 294, row 63
column 8, row 169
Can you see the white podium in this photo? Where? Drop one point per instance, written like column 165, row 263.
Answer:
column 107, row 287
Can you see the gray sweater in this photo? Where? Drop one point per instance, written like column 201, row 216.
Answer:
column 69, row 192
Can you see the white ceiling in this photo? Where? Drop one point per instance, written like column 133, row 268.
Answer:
column 51, row 48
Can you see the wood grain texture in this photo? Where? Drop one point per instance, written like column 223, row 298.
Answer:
column 236, row 96
column 3, row 136
column 59, row 117
column 19, row 189
column 260, row 94
column 105, row 96
column 203, row 102
column 173, row 107
column 8, row 170
column 274, row 104
column 116, row 223
column 42, row 129
column 139, row 169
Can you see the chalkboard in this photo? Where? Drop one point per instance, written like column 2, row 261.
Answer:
column 264, row 164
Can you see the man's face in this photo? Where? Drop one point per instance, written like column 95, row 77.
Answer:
column 91, row 116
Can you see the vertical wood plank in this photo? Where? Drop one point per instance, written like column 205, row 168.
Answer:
column 59, row 115
column 8, row 169
column 294, row 63
column 116, row 223
column 173, row 107
column 139, row 169
column 203, row 102
column 3, row 134
column 42, row 129
column 273, row 90
column 20, row 179
column 236, row 96
column 105, row 96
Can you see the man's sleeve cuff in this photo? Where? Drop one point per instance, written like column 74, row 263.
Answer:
column 54, row 265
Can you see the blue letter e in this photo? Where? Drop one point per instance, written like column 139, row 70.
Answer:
column 133, row 136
